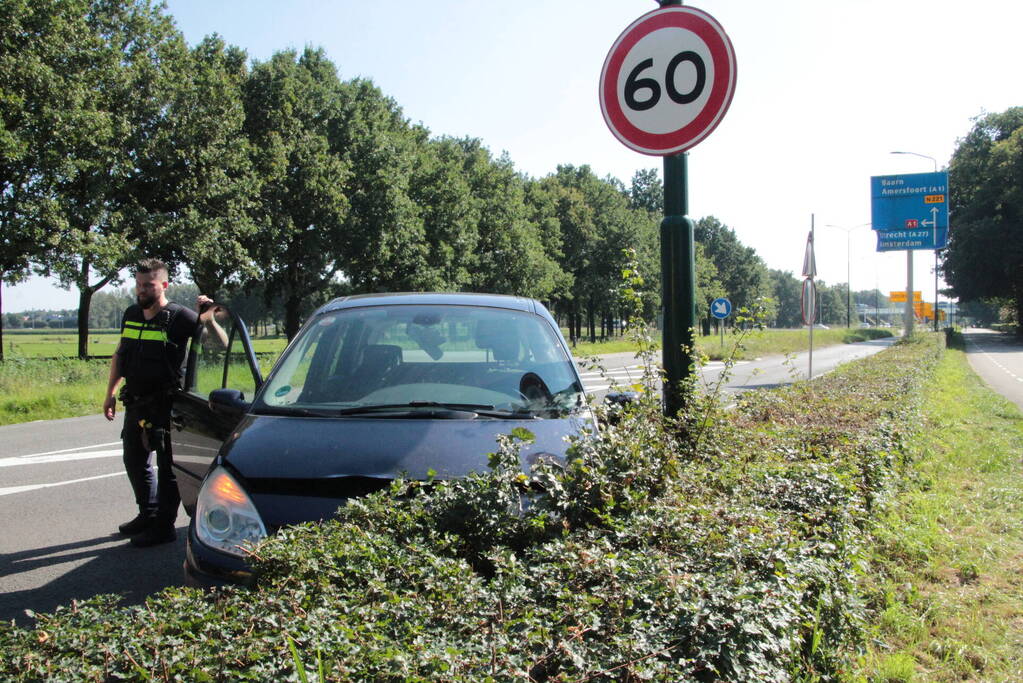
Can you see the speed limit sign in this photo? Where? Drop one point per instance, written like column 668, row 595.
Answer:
column 668, row 80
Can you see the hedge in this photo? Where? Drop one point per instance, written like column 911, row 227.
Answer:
column 725, row 546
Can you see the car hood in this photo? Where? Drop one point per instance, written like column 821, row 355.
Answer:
column 302, row 468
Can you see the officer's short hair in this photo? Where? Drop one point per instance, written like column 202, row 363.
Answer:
column 149, row 265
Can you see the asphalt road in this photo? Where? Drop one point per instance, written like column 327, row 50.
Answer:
column 998, row 359
column 768, row 372
column 63, row 492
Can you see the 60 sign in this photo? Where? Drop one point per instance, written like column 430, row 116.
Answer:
column 667, row 80
column 634, row 83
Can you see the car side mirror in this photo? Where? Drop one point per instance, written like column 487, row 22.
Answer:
column 617, row 403
column 229, row 402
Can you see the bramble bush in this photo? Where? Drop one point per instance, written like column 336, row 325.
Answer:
column 647, row 555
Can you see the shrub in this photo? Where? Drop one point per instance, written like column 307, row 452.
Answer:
column 648, row 555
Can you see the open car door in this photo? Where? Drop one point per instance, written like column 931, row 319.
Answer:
column 221, row 379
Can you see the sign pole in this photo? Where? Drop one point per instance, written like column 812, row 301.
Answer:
column 813, row 316
column 908, row 326
column 678, row 277
column 665, row 85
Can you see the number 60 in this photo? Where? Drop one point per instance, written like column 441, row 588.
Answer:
column 634, row 83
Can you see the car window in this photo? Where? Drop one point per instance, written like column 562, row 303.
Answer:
column 220, row 359
column 395, row 355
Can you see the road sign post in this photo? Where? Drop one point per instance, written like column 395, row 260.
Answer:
column 666, row 84
column 721, row 308
column 910, row 212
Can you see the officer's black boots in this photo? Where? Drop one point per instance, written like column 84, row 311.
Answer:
column 155, row 534
column 137, row 525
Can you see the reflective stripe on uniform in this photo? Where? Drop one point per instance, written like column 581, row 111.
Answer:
column 134, row 330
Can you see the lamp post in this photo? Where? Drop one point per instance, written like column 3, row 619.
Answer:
column 848, row 278
column 909, row 295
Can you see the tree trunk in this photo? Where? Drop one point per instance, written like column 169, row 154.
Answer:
column 84, row 302
column 85, row 292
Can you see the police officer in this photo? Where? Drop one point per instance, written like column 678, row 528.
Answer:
column 154, row 338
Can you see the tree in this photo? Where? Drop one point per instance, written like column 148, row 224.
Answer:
column 788, row 292
column 292, row 103
column 984, row 258
column 384, row 241
column 741, row 270
column 114, row 79
column 37, row 38
column 196, row 171
column 647, row 191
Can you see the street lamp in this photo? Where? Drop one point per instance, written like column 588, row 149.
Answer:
column 848, row 279
column 909, row 295
column 933, row 160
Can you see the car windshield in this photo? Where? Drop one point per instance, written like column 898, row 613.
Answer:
column 490, row 361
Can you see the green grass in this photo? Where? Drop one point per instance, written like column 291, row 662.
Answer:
column 56, row 343
column 64, row 343
column 946, row 579
column 756, row 344
column 33, row 389
column 37, row 389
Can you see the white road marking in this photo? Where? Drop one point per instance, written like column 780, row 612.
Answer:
column 9, row 490
column 58, row 456
column 991, row 358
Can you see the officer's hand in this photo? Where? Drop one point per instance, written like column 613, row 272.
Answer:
column 109, row 407
column 202, row 302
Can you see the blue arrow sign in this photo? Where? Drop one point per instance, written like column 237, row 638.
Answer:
column 906, row 207
column 721, row 308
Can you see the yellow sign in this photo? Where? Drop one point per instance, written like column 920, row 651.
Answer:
column 900, row 297
column 934, row 199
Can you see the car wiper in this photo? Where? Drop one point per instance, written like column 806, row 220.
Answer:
column 387, row 407
column 290, row 411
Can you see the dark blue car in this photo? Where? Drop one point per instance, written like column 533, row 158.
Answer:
column 372, row 388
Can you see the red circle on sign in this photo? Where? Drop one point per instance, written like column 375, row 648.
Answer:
column 707, row 29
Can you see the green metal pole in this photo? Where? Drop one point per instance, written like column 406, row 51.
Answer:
column 678, row 278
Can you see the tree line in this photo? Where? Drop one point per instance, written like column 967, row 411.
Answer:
column 280, row 181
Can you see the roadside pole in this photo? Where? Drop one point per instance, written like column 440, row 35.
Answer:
column 665, row 86
column 909, row 313
column 678, row 289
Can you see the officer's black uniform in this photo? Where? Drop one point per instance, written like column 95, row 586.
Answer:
column 150, row 357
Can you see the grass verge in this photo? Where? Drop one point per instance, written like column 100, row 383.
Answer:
column 946, row 576
column 33, row 389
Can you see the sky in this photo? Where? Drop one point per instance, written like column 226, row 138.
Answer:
column 826, row 90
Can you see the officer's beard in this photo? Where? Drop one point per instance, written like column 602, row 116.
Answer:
column 146, row 300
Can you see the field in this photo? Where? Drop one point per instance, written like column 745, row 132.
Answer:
column 64, row 343
column 41, row 379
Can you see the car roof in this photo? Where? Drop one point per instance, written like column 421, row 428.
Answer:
column 515, row 303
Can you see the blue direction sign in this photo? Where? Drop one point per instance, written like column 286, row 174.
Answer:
column 910, row 211
column 921, row 238
column 721, row 308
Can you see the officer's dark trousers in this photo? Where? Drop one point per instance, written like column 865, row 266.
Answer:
column 156, row 493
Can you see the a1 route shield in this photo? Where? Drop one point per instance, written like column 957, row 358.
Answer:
column 668, row 80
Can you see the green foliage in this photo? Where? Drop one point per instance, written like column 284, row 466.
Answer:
column 866, row 333
column 984, row 259
column 644, row 556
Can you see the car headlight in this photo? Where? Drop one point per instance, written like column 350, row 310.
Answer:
column 225, row 518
